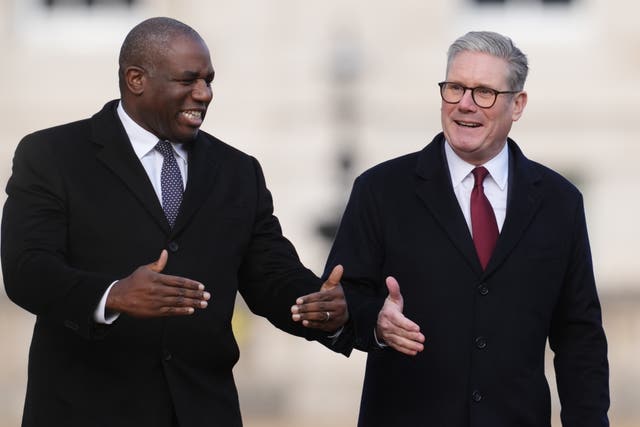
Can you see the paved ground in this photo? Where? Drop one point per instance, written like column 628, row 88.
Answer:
column 271, row 398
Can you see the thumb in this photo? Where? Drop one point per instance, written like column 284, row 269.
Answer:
column 160, row 263
column 394, row 291
column 334, row 278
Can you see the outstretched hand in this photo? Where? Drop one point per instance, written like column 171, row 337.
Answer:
column 325, row 310
column 394, row 328
column 149, row 293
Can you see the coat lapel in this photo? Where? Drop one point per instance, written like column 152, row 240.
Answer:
column 116, row 153
column 435, row 190
column 204, row 165
column 523, row 202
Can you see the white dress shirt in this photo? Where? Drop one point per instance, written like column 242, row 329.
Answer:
column 496, row 184
column 143, row 143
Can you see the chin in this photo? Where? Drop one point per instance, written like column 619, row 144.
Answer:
column 466, row 145
column 187, row 138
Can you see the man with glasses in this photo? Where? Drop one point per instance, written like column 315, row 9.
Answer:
column 492, row 255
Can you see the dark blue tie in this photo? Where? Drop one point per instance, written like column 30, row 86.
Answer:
column 170, row 181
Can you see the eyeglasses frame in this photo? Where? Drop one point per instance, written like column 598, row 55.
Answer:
column 472, row 89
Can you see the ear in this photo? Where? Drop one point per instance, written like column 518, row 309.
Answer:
column 520, row 102
column 134, row 79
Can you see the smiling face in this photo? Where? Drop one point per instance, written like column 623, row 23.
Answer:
column 478, row 134
column 171, row 98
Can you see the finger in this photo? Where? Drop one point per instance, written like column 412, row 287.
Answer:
column 184, row 302
column 186, row 299
column 173, row 293
column 408, row 326
column 315, row 316
column 319, row 312
column 402, row 323
column 406, row 346
column 334, row 278
column 318, row 307
column 168, row 290
column 181, row 301
column 331, row 283
column 392, row 321
column 388, row 330
column 400, row 339
column 160, row 263
column 180, row 282
column 394, row 290
column 317, row 297
column 177, row 311
column 405, row 336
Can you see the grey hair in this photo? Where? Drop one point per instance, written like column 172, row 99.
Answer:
column 497, row 45
column 148, row 41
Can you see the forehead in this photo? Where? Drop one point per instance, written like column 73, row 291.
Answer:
column 186, row 53
column 478, row 69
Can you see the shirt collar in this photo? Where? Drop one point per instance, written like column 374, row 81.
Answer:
column 498, row 167
column 141, row 139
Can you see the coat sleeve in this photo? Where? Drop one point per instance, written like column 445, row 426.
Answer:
column 37, row 276
column 271, row 275
column 578, row 339
column 358, row 246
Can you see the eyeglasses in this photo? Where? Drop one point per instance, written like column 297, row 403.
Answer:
column 484, row 97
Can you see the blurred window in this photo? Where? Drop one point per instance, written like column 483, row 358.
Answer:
column 523, row 1
column 54, row 3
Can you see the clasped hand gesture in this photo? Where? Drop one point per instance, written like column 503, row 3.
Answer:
column 326, row 309
column 149, row 293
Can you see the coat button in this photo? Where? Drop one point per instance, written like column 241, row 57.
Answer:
column 476, row 396
column 483, row 290
column 173, row 246
column 481, row 342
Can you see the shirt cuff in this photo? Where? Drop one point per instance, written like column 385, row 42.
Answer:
column 336, row 334
column 100, row 315
column 380, row 344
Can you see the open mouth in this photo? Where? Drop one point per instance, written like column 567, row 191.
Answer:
column 193, row 114
column 467, row 124
column 193, row 117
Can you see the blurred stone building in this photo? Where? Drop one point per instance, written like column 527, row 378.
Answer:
column 319, row 91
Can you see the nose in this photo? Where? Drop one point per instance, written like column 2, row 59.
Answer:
column 467, row 102
column 202, row 91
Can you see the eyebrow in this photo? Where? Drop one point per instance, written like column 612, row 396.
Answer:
column 189, row 75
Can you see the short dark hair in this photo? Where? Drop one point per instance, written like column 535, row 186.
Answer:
column 148, row 41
